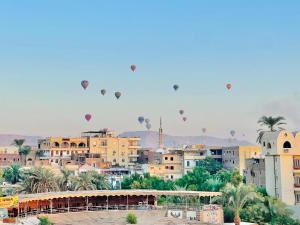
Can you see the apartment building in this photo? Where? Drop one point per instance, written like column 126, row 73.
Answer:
column 109, row 148
column 254, row 172
column 192, row 156
column 171, row 167
column 235, row 157
column 282, row 165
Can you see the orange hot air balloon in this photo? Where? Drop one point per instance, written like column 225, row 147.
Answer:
column 133, row 68
column 229, row 86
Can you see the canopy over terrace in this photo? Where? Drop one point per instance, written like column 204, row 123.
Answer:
column 60, row 202
column 155, row 193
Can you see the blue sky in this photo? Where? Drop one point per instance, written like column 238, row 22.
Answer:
column 48, row 47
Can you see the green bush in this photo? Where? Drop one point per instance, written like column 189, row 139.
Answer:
column 131, row 218
column 45, row 221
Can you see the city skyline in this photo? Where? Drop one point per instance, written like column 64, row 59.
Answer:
column 48, row 48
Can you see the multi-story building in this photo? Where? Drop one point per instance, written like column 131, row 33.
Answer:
column 192, row 156
column 119, row 151
column 282, row 161
column 216, row 153
column 57, row 149
column 254, row 172
column 235, row 157
column 8, row 156
column 171, row 167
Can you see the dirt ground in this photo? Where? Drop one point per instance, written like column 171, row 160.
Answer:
column 116, row 218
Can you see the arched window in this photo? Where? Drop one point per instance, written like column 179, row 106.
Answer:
column 55, row 145
column 269, row 146
column 73, row 145
column 65, row 145
column 287, row 144
column 81, row 145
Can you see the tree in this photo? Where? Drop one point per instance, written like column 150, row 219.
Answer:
column 39, row 180
column 210, row 165
column 83, row 182
column 101, row 181
column 24, row 151
column 64, row 180
column 235, row 198
column 12, row 174
column 272, row 123
column 19, row 143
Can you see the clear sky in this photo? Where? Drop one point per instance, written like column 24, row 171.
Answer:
column 47, row 48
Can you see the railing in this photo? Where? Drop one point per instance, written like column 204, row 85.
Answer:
column 86, row 208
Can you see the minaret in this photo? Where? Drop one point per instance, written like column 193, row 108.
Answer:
column 161, row 144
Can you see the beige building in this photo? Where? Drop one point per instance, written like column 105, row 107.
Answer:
column 282, row 162
column 119, row 151
column 235, row 157
column 171, row 167
column 192, row 156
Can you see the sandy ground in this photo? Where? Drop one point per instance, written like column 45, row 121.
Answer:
column 116, row 218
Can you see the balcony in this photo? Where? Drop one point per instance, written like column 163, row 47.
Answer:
column 297, row 185
column 134, row 147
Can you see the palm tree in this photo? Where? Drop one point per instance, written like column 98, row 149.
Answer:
column 19, row 143
column 39, row 180
column 273, row 124
column 101, row 181
column 25, row 152
column 83, row 182
column 12, row 174
column 236, row 198
column 64, row 180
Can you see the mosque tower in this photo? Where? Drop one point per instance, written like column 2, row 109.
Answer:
column 161, row 144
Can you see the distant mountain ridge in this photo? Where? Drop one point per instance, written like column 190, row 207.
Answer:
column 7, row 139
column 149, row 139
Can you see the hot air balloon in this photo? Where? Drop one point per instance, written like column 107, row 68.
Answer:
column 232, row 133
column 228, row 86
column 181, row 112
column 133, row 68
column 148, row 126
column 204, row 130
column 118, row 94
column 88, row 117
column 175, row 86
column 84, row 84
column 103, row 91
column 147, row 120
column 184, row 119
column 141, row 119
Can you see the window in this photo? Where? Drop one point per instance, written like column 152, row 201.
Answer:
column 166, row 158
column 172, row 159
column 172, row 167
column 166, row 167
column 172, row 177
column 269, row 146
column 197, row 163
column 287, row 144
column 188, row 163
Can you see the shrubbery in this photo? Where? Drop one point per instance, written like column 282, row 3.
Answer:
column 131, row 218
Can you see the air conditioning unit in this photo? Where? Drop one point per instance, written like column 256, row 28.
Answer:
column 286, row 150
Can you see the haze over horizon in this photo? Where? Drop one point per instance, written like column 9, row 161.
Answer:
column 49, row 47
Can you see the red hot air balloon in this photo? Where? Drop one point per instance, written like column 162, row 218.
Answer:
column 88, row 117
column 133, row 68
column 84, row 84
column 228, row 86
